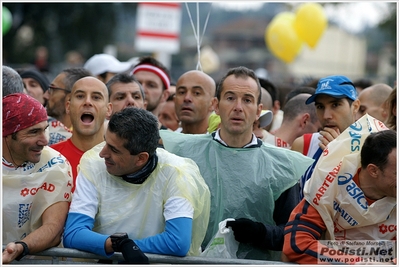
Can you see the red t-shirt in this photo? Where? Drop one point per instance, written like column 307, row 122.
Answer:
column 72, row 154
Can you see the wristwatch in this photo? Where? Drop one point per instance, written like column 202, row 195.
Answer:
column 116, row 239
column 24, row 252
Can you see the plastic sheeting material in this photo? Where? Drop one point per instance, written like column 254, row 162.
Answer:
column 27, row 196
column 138, row 209
column 244, row 182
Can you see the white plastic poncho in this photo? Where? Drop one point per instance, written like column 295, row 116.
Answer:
column 244, row 182
column 27, row 196
column 339, row 201
column 138, row 209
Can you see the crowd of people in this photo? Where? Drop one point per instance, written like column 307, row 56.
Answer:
column 117, row 157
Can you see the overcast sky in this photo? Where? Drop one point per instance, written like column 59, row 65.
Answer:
column 353, row 16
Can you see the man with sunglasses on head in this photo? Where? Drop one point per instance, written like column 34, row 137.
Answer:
column 56, row 96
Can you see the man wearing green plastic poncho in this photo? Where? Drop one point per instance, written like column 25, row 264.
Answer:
column 251, row 181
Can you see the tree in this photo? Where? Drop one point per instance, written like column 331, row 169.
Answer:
column 61, row 27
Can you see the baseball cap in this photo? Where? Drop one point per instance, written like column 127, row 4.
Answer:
column 101, row 63
column 266, row 117
column 337, row 86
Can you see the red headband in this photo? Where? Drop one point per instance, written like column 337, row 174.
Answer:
column 21, row 111
column 155, row 70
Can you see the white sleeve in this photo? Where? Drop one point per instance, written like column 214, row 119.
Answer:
column 84, row 199
column 176, row 207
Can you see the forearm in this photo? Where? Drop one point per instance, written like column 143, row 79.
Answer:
column 175, row 240
column 302, row 233
column 274, row 234
column 49, row 233
column 79, row 235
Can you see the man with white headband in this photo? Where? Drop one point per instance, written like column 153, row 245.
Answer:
column 37, row 180
column 155, row 79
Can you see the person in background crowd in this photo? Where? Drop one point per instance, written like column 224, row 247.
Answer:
column 265, row 118
column 125, row 91
column 254, row 183
column 390, row 105
column 172, row 88
column 12, row 81
column 276, row 106
column 361, row 84
column 105, row 66
column 195, row 91
column 155, row 79
column 372, row 101
column 36, row 180
column 129, row 193
column 88, row 106
column 167, row 116
column 36, row 83
column 266, row 100
column 299, row 119
column 58, row 93
column 299, row 90
column 41, row 60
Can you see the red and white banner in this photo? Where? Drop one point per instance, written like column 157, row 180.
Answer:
column 158, row 27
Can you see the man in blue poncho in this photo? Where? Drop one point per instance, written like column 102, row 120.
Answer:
column 253, row 182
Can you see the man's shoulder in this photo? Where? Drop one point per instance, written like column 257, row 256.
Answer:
column 49, row 152
column 175, row 140
column 50, row 160
column 61, row 145
column 166, row 157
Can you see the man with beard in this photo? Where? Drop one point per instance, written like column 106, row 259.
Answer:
column 87, row 107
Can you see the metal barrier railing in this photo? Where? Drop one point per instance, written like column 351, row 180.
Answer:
column 73, row 256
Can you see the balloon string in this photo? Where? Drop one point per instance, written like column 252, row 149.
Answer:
column 199, row 67
column 197, row 34
column 206, row 23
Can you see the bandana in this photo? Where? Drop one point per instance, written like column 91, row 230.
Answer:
column 147, row 67
column 21, row 111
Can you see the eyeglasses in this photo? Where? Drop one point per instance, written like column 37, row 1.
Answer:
column 51, row 89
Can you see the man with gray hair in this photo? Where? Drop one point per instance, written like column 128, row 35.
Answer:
column 12, row 82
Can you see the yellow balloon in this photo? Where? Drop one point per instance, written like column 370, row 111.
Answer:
column 281, row 38
column 310, row 23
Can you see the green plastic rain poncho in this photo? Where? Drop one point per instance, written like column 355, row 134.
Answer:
column 244, row 182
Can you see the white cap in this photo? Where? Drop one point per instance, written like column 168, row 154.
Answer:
column 266, row 117
column 101, row 63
